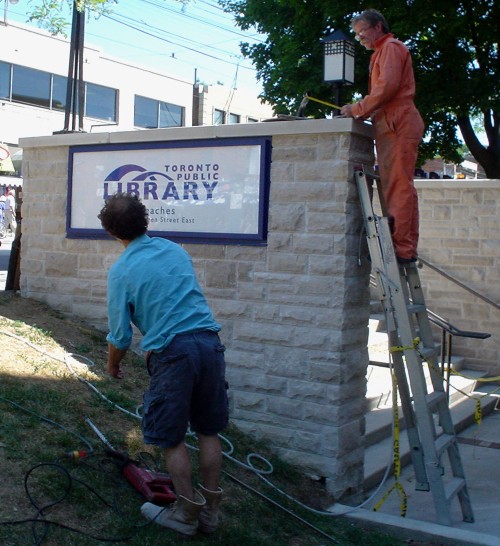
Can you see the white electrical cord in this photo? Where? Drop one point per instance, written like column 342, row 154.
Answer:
column 249, row 465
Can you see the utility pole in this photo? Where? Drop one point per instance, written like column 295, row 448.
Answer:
column 6, row 9
column 75, row 90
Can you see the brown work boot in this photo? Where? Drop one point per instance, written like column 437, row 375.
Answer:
column 210, row 513
column 181, row 516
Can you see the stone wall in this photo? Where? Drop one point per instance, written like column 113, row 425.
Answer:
column 294, row 313
column 459, row 227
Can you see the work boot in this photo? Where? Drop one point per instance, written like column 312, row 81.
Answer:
column 210, row 513
column 181, row 516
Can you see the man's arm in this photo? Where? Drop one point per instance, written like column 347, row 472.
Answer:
column 384, row 86
column 115, row 356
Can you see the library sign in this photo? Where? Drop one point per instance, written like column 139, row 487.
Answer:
column 213, row 191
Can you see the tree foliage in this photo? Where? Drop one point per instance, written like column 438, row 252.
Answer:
column 455, row 49
column 52, row 15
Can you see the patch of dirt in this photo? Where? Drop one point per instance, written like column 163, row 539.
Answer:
column 38, row 361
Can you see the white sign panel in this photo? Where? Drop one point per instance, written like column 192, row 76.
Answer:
column 208, row 190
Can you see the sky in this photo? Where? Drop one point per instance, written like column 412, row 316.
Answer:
column 166, row 36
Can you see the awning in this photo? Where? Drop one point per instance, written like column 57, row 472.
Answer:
column 12, row 181
column 6, row 165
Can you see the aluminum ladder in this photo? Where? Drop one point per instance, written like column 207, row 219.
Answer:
column 430, row 429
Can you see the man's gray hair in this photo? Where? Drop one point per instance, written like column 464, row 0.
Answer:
column 372, row 17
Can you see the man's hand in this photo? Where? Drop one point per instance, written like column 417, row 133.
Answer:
column 115, row 371
column 346, row 111
column 115, row 356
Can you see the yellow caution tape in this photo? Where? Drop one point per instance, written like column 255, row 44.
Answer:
column 404, row 499
column 401, row 348
column 478, row 412
column 396, row 456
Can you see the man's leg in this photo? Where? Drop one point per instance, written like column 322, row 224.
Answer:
column 396, row 158
column 179, row 468
column 182, row 516
column 210, row 470
column 210, row 461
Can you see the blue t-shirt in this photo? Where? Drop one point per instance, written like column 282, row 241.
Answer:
column 154, row 286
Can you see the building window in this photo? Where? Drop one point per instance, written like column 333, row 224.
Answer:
column 219, row 117
column 4, row 80
column 31, row 86
column 234, row 118
column 252, row 120
column 153, row 114
column 47, row 90
column 100, row 102
column 171, row 115
column 59, row 90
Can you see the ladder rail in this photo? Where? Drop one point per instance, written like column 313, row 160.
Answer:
column 377, row 247
column 413, row 348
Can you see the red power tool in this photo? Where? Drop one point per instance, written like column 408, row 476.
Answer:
column 155, row 487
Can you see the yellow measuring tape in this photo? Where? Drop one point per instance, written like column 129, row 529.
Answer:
column 323, row 102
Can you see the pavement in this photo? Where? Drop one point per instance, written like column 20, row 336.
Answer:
column 480, row 452
column 479, row 447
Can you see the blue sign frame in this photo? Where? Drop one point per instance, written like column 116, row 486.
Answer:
column 210, row 191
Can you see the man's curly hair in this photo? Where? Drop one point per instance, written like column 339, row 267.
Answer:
column 124, row 216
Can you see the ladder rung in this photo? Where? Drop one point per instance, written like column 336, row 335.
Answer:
column 434, row 398
column 430, row 428
column 453, row 487
column 444, row 442
column 428, row 352
column 416, row 308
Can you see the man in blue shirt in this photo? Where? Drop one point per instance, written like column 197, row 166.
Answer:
column 153, row 285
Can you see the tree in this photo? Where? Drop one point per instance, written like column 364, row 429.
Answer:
column 455, row 49
column 52, row 14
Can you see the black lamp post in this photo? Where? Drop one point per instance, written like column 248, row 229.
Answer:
column 338, row 67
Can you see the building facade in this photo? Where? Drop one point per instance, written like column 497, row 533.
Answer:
column 118, row 96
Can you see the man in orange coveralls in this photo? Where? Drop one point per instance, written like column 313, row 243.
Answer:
column 397, row 124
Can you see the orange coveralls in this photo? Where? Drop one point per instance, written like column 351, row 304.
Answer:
column 398, row 132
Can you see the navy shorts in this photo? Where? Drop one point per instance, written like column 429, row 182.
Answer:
column 187, row 387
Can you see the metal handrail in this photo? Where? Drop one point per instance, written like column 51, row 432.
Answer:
column 446, row 326
column 448, row 330
column 458, row 282
column 453, row 330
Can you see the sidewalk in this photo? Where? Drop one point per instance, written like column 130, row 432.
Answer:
column 480, row 453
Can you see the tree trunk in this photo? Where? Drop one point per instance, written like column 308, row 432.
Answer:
column 488, row 157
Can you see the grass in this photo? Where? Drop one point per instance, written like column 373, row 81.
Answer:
column 48, row 498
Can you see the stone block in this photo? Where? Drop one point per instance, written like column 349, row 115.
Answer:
column 61, row 265
column 256, row 382
column 287, row 263
column 287, row 217
column 220, row 274
column 329, row 170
